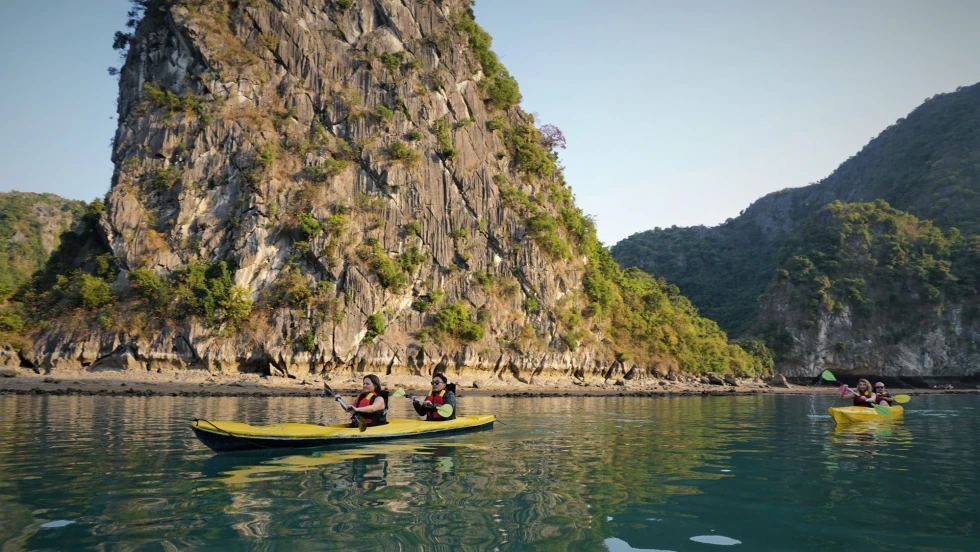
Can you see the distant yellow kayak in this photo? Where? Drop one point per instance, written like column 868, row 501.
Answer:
column 232, row 436
column 848, row 414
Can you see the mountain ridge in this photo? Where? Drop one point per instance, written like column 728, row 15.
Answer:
column 927, row 163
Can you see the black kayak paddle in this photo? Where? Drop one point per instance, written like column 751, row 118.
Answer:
column 361, row 425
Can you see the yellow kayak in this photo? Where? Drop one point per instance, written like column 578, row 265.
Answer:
column 232, row 436
column 848, row 414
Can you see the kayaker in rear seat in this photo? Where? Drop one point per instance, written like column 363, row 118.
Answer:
column 882, row 395
column 442, row 392
column 372, row 404
column 864, row 395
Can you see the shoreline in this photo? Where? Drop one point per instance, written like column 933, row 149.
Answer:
column 204, row 384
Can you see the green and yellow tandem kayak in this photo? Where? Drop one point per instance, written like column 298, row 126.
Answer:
column 234, row 436
column 848, row 414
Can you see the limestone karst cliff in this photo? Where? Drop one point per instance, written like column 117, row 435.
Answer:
column 312, row 185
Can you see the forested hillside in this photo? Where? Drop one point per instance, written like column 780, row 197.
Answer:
column 927, row 164
column 30, row 229
column 863, row 286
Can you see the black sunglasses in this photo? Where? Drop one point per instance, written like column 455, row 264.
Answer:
column 437, row 382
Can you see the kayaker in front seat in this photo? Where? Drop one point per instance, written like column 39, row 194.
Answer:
column 863, row 397
column 882, row 395
column 442, row 392
column 372, row 404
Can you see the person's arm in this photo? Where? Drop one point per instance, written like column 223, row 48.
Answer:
column 450, row 399
column 419, row 409
column 376, row 405
column 846, row 394
column 867, row 400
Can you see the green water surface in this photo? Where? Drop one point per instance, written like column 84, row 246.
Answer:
column 684, row 473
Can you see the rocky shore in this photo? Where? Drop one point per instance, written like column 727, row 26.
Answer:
column 200, row 383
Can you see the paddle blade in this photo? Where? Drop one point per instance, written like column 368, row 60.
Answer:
column 398, row 392
column 883, row 410
column 329, row 391
column 902, row 399
column 445, row 410
column 827, row 376
column 361, row 426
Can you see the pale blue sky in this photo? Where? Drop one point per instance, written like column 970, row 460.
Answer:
column 677, row 112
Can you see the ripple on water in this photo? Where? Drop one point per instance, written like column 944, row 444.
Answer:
column 715, row 539
column 619, row 545
column 576, row 474
column 58, row 523
column 933, row 413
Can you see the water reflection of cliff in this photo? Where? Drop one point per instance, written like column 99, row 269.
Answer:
column 546, row 478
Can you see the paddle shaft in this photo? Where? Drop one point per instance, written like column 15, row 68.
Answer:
column 336, row 397
column 344, row 405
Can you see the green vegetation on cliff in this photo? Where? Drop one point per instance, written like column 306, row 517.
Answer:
column 873, row 259
column 723, row 270
column 642, row 318
column 31, row 226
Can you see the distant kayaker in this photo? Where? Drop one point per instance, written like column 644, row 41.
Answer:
column 372, row 403
column 882, row 396
column 864, row 395
column 442, row 392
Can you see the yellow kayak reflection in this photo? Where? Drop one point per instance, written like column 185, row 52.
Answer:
column 894, row 430
column 239, row 471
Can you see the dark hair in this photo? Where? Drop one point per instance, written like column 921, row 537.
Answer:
column 378, row 390
column 449, row 386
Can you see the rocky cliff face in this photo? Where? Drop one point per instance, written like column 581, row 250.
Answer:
column 845, row 343
column 312, row 185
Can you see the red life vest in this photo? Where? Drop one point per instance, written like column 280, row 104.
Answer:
column 863, row 398
column 377, row 418
column 436, row 400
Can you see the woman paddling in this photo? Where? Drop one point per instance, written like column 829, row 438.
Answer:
column 442, row 392
column 372, row 404
column 864, row 395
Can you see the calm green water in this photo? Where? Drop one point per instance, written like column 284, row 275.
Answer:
column 772, row 473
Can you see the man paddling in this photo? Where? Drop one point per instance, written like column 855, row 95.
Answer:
column 882, row 396
column 442, row 393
